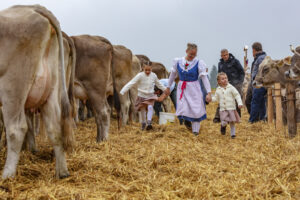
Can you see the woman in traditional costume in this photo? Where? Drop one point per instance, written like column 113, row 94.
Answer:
column 190, row 104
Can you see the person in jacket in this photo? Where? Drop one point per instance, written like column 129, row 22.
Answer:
column 258, row 102
column 227, row 95
column 235, row 73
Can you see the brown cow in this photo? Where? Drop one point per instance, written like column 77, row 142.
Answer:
column 143, row 59
column 33, row 77
column 92, row 74
column 160, row 70
column 136, row 68
column 294, row 72
column 122, row 74
column 271, row 72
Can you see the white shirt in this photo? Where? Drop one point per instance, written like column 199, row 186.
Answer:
column 201, row 70
column 165, row 83
column 145, row 84
column 226, row 97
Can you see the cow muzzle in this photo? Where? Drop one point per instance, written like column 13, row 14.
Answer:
column 290, row 74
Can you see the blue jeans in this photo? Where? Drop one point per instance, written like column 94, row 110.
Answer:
column 258, row 105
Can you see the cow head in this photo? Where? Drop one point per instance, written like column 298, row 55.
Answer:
column 271, row 71
column 294, row 72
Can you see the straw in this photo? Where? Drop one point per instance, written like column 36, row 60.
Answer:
column 166, row 163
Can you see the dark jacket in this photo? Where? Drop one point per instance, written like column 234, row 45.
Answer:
column 255, row 64
column 234, row 70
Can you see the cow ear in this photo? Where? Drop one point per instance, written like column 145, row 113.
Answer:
column 287, row 60
column 280, row 63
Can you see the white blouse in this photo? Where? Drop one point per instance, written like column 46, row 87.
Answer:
column 145, row 84
column 201, row 70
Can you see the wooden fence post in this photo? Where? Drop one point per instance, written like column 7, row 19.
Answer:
column 270, row 106
column 291, row 110
column 279, row 124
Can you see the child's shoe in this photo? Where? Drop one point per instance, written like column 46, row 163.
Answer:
column 188, row 125
column 143, row 126
column 233, row 136
column 223, row 130
column 149, row 126
column 195, row 133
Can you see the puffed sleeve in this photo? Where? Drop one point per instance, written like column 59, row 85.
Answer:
column 202, row 68
column 173, row 73
column 204, row 75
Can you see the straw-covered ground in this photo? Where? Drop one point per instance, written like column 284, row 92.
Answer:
column 166, row 163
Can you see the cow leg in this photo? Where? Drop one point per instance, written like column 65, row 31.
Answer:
column 51, row 114
column 2, row 140
column 36, row 119
column 89, row 109
column 102, row 116
column 125, row 105
column 30, row 135
column 81, row 110
column 77, row 108
column 16, row 127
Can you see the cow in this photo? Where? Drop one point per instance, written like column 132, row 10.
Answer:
column 92, row 76
column 33, row 78
column 122, row 74
column 33, row 119
column 143, row 59
column 136, row 68
column 160, row 70
column 271, row 72
column 294, row 72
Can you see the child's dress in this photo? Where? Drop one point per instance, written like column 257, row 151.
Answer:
column 145, row 85
column 226, row 98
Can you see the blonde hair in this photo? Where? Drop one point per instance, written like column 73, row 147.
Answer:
column 221, row 74
column 191, row 46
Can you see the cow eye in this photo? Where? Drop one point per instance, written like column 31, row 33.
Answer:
column 265, row 70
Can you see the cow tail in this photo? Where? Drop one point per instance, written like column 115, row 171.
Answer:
column 72, row 78
column 67, row 124
column 116, row 98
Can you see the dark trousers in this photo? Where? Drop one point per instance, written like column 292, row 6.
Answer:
column 249, row 98
column 258, row 105
column 239, row 88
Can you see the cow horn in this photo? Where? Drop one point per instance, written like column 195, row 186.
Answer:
column 294, row 51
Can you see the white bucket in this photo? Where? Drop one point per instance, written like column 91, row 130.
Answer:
column 166, row 117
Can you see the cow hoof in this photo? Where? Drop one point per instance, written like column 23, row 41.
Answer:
column 7, row 175
column 34, row 151
column 64, row 176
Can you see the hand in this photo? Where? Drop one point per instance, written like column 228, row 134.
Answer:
column 240, row 106
column 167, row 91
column 208, row 97
column 161, row 98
